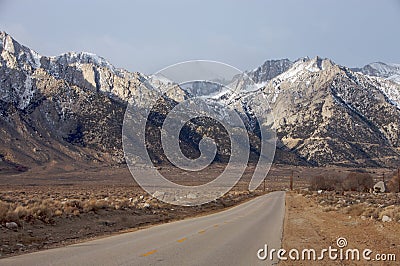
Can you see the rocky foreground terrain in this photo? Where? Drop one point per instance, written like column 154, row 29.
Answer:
column 312, row 225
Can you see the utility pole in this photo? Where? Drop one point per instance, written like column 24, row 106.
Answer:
column 291, row 181
column 264, row 184
column 398, row 176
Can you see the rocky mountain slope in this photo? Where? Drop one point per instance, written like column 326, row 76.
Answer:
column 383, row 70
column 69, row 109
column 328, row 113
column 269, row 70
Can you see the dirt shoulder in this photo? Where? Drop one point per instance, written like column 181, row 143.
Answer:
column 308, row 225
column 70, row 228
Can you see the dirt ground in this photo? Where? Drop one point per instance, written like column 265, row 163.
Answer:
column 79, row 202
column 307, row 225
column 69, row 229
column 60, row 205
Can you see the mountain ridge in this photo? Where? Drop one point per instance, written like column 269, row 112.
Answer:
column 75, row 103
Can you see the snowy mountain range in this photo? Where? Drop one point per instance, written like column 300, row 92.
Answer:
column 70, row 108
column 329, row 113
column 379, row 69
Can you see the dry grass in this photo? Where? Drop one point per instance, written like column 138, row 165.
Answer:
column 371, row 212
column 45, row 210
column 354, row 210
column 29, row 205
column 32, row 204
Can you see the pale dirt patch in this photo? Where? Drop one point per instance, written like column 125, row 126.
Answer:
column 307, row 225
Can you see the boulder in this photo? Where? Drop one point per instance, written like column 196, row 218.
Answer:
column 379, row 187
column 12, row 225
column 386, row 218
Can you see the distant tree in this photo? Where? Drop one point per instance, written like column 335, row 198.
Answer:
column 354, row 181
column 393, row 184
column 358, row 181
column 326, row 182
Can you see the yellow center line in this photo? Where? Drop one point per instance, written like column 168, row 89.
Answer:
column 202, row 231
column 181, row 240
column 149, row 253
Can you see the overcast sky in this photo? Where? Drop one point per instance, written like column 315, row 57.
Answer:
column 149, row 35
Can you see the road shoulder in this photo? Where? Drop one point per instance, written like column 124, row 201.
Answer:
column 307, row 225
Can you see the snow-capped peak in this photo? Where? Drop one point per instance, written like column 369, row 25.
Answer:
column 82, row 58
column 18, row 51
column 269, row 69
column 303, row 65
column 383, row 70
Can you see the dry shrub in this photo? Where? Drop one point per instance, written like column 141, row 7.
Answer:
column 328, row 182
column 355, row 210
column 42, row 212
column 393, row 184
column 305, row 192
column 77, row 204
column 45, row 206
column 102, row 204
column 21, row 212
column 124, row 204
column 329, row 209
column 358, row 181
column 7, row 214
column 354, row 181
column 90, row 205
column 396, row 215
column 69, row 209
column 390, row 211
column 371, row 212
column 4, row 209
column 95, row 205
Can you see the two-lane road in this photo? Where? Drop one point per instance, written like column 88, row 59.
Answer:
column 230, row 237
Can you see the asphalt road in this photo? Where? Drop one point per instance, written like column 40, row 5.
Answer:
column 230, row 237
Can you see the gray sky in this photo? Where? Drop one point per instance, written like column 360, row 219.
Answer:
column 149, row 35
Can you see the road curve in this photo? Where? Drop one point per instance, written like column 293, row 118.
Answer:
column 230, row 237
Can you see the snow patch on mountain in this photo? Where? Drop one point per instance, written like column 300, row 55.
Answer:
column 261, row 84
column 36, row 58
column 390, row 90
column 27, row 93
column 82, row 58
column 384, row 70
column 8, row 44
column 301, row 65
